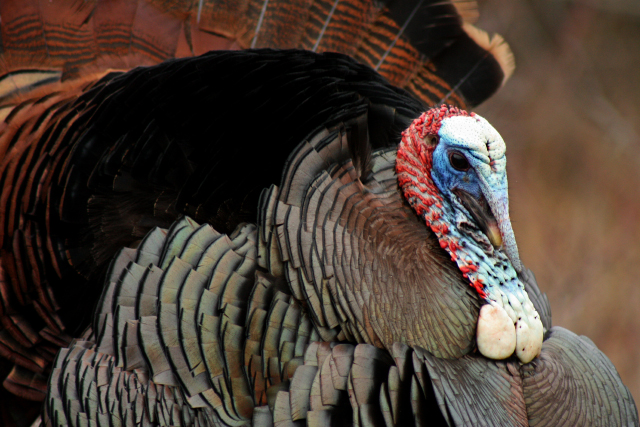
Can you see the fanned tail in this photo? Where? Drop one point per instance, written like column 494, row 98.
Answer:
column 426, row 46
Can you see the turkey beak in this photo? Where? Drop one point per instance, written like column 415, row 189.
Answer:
column 482, row 214
column 493, row 233
column 498, row 201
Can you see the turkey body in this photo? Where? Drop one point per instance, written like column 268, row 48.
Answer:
column 244, row 183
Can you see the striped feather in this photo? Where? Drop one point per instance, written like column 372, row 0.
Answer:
column 399, row 40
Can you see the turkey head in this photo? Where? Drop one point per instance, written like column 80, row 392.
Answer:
column 452, row 169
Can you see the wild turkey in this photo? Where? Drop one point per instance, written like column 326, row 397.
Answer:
column 97, row 161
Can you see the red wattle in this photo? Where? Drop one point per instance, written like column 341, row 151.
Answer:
column 413, row 168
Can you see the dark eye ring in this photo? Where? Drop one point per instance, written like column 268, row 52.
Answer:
column 459, row 161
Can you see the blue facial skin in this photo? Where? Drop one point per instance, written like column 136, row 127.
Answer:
column 447, row 178
column 484, row 149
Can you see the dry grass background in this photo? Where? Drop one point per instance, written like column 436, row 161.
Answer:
column 571, row 118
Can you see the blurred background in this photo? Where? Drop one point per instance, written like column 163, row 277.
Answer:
column 570, row 115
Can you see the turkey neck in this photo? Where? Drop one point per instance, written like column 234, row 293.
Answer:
column 413, row 288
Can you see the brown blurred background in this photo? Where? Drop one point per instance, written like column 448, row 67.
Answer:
column 571, row 118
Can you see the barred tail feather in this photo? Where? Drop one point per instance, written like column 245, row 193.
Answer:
column 408, row 42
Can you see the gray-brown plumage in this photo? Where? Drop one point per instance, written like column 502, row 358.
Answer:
column 180, row 342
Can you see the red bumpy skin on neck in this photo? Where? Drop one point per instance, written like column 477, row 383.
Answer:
column 413, row 168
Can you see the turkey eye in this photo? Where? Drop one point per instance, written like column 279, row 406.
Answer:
column 459, row 161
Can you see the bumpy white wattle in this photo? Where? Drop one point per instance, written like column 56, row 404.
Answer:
column 496, row 336
column 485, row 150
